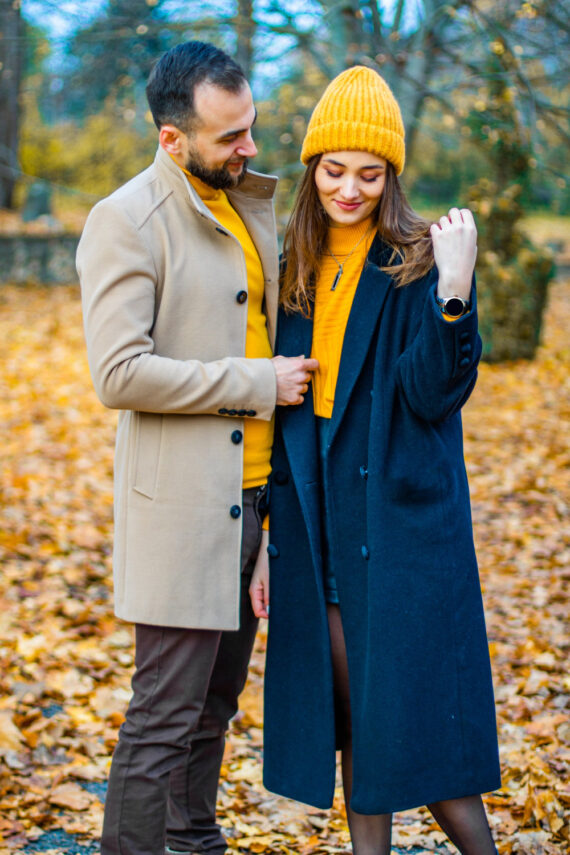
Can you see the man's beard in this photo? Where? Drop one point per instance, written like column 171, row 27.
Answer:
column 218, row 179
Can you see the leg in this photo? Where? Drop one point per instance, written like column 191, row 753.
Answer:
column 371, row 835
column 172, row 673
column 465, row 823
column 191, row 822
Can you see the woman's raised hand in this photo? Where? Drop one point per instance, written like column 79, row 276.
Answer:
column 455, row 250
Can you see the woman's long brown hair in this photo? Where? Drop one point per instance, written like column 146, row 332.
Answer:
column 305, row 242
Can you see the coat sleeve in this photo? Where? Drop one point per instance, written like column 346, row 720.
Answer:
column 438, row 370
column 118, row 287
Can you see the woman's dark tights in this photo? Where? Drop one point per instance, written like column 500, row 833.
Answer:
column 463, row 820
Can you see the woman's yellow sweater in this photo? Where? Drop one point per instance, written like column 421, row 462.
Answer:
column 332, row 308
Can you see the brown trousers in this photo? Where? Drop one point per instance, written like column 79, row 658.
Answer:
column 164, row 774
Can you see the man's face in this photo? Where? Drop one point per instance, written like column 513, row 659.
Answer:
column 217, row 151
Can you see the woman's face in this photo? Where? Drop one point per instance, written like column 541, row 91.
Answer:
column 349, row 185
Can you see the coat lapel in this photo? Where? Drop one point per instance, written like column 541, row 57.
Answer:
column 299, row 430
column 373, row 288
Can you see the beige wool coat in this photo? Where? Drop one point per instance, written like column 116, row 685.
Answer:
column 165, row 310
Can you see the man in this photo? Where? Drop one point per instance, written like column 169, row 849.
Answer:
column 178, row 273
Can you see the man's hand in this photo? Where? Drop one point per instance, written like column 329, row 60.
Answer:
column 259, row 586
column 455, row 250
column 294, row 374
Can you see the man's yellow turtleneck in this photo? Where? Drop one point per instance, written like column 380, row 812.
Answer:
column 257, row 433
column 350, row 244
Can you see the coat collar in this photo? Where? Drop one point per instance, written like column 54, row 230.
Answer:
column 298, row 424
column 371, row 293
column 255, row 185
column 253, row 202
column 295, row 335
column 299, row 429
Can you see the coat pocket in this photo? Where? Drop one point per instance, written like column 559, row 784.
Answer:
column 147, row 441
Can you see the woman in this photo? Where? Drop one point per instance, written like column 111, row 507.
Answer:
column 377, row 640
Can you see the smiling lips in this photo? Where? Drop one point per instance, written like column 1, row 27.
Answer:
column 347, row 206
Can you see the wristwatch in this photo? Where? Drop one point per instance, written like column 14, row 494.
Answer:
column 453, row 306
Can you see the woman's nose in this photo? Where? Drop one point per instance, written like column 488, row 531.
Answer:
column 349, row 188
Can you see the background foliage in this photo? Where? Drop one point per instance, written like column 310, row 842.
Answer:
column 478, row 83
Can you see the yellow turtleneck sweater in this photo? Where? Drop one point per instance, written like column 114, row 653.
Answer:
column 350, row 244
column 257, row 433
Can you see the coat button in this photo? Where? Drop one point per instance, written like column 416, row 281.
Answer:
column 236, row 437
column 242, row 412
column 232, row 412
column 223, row 411
column 364, row 472
column 272, row 551
column 235, row 512
column 281, row 478
column 465, row 348
column 241, row 296
column 251, row 413
column 365, row 553
column 464, row 336
column 464, row 362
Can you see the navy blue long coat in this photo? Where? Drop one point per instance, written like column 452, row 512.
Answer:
column 420, row 685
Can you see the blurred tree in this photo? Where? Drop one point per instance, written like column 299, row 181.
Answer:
column 114, row 54
column 11, row 51
column 245, row 32
column 93, row 159
column 513, row 272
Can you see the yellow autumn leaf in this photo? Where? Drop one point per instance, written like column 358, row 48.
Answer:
column 70, row 796
column 11, row 738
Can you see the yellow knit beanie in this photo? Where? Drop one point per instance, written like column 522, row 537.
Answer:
column 357, row 112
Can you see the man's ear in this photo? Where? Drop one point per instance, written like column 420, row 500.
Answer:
column 172, row 140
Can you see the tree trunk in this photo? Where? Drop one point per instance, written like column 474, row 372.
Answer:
column 10, row 74
column 412, row 60
column 345, row 33
column 245, row 30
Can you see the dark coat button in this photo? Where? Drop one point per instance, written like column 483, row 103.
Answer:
column 242, row 412
column 232, row 412
column 464, row 336
column 464, row 362
column 365, row 553
column 465, row 348
column 363, row 472
column 251, row 413
column 223, row 411
column 235, row 511
column 237, row 437
column 281, row 478
column 241, row 296
column 272, row 551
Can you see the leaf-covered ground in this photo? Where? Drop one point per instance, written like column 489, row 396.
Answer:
column 65, row 662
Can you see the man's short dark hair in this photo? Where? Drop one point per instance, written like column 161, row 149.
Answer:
column 173, row 80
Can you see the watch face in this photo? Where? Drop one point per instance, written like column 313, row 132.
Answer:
column 454, row 307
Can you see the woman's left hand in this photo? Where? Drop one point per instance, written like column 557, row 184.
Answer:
column 259, row 586
column 455, row 250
